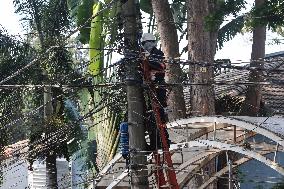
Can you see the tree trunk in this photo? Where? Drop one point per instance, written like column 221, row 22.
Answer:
column 51, row 169
column 170, row 47
column 35, row 10
column 135, row 99
column 253, row 95
column 201, row 48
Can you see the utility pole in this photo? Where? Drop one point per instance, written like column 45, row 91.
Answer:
column 51, row 170
column 135, row 98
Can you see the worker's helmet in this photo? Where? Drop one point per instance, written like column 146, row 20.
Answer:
column 148, row 37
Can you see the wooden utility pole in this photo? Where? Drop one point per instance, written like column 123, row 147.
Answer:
column 135, row 98
column 51, row 170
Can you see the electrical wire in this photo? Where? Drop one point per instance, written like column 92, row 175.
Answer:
column 115, row 84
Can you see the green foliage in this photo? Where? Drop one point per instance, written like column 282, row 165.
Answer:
column 280, row 30
column 92, row 155
column 52, row 21
column 72, row 117
column 96, row 42
column 224, row 8
column 100, row 32
column 53, row 135
column 179, row 13
column 230, row 30
column 146, row 6
column 104, row 132
column 112, row 23
column 44, row 134
column 85, row 99
column 271, row 13
column 3, row 142
column 84, row 14
column 49, row 18
column 55, row 20
column 178, row 9
column 14, row 54
column 73, row 7
column 53, row 139
column 59, row 66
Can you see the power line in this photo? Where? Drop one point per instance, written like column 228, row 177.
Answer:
column 104, row 85
column 100, row 105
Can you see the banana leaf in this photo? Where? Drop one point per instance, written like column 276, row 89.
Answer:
column 96, row 42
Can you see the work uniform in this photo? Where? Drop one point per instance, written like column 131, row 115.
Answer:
column 157, row 72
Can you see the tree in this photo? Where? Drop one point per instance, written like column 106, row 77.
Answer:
column 170, row 47
column 252, row 101
column 105, row 23
column 50, row 20
column 201, row 49
column 264, row 14
column 103, row 27
column 14, row 54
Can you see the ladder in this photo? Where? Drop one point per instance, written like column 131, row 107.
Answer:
column 171, row 181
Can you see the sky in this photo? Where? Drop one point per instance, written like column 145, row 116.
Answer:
column 238, row 49
column 8, row 19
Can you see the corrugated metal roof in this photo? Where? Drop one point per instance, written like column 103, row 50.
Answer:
column 273, row 95
column 275, row 54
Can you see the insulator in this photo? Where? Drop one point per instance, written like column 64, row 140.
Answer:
column 124, row 139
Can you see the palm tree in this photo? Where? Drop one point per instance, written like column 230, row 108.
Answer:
column 49, row 20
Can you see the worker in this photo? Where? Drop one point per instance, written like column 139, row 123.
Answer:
column 157, row 71
column 157, row 65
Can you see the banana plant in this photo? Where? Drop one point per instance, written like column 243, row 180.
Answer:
column 96, row 43
column 103, row 32
column 106, row 129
